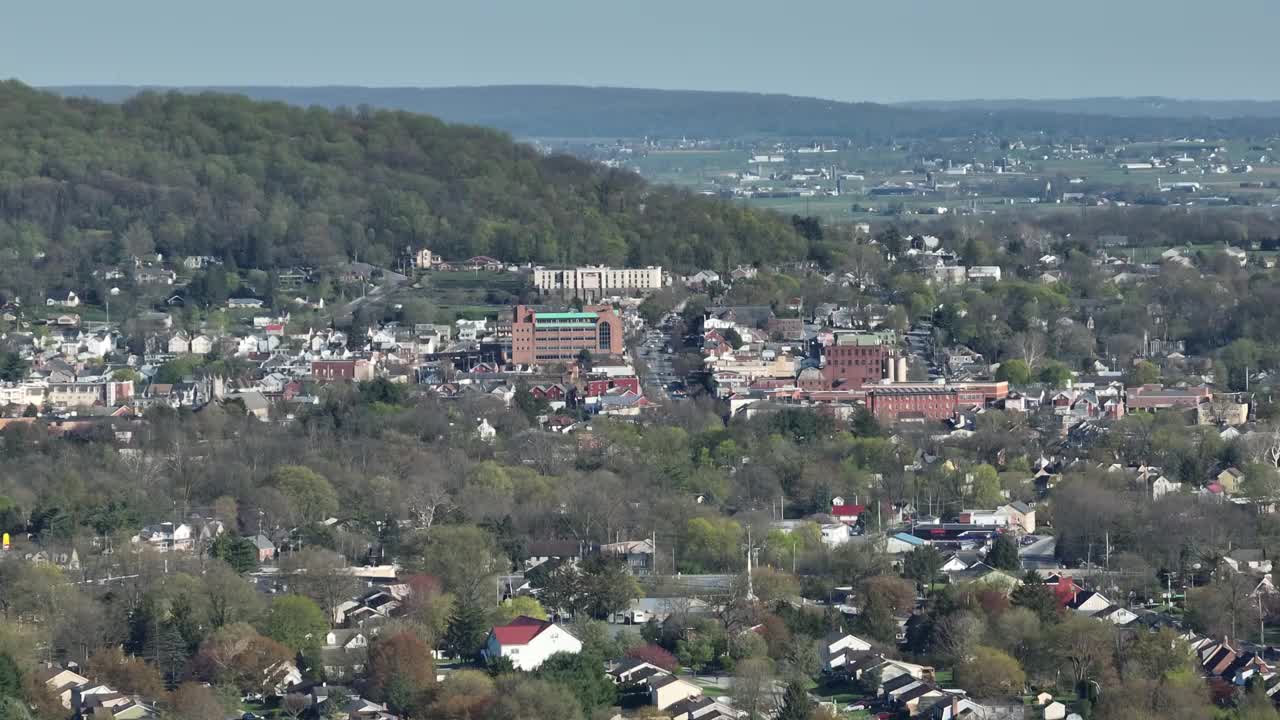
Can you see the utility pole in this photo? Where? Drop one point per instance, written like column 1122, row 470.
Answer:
column 751, row 592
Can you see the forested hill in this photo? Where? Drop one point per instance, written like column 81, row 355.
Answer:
column 269, row 184
column 1151, row 107
column 602, row 112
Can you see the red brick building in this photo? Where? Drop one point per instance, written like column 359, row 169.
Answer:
column 601, row 386
column 855, row 360
column 933, row 402
column 547, row 337
column 359, row 370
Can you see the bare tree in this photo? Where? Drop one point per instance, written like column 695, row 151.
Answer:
column 1030, row 346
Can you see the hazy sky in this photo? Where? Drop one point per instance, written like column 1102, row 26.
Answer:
column 842, row 49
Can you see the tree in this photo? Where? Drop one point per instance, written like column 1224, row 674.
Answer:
column 1054, row 374
column 532, row 699
column 12, row 367
column 230, row 597
column 193, row 701
column 796, row 704
column 125, row 673
column 466, row 633
column 986, row 486
column 462, row 696
column 654, row 655
column 401, row 670
column 237, row 655
column 1004, row 553
column 12, row 708
column 517, row 606
column 311, row 497
column 1035, row 596
column 238, row 552
column 584, row 360
column 923, row 565
column 294, row 704
column 1142, row 373
column 10, row 677
column 1084, row 645
column 1014, row 371
column 988, row 672
column 607, row 586
column 296, row 622
column 321, row 575
column 464, row 557
column 583, row 675
column 753, row 688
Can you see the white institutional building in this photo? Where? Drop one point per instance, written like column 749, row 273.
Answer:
column 595, row 282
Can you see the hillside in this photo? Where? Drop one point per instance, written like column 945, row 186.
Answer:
column 603, row 112
column 84, row 184
column 1152, row 107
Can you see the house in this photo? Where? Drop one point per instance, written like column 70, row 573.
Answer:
column 424, row 259
column 632, row 671
column 1054, row 711
column 266, row 548
column 528, row 642
column 62, row 682
column 666, row 690
column 201, row 345
column 180, row 343
column 1230, row 479
column 1089, row 603
column 902, row 543
column 70, row 300
column 701, row 708
column 1248, row 560
column 837, row 647
column 255, row 404
column 1019, row 515
column 638, row 554
column 845, row 512
column 346, row 639
column 244, row 304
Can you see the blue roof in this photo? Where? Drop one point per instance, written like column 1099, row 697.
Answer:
column 908, row 538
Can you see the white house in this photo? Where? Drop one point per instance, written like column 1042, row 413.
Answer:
column 201, row 345
column 836, row 647
column 180, row 343
column 486, row 431
column 528, row 642
column 62, row 682
column 666, row 690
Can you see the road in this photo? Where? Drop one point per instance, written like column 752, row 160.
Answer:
column 390, row 281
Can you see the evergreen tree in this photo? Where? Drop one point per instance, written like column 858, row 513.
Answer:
column 1035, row 596
column 240, row 553
column 10, row 677
column 1004, row 554
column 466, row 633
column 796, row 704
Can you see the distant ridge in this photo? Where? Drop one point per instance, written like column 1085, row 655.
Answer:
column 1153, row 106
column 608, row 112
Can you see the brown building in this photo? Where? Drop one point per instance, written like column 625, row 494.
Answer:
column 855, row 360
column 890, row 403
column 544, row 337
column 349, row 370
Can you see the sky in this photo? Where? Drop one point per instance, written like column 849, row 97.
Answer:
column 877, row 50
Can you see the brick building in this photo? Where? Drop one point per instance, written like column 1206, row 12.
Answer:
column 855, row 360
column 889, row 403
column 543, row 337
column 360, row 370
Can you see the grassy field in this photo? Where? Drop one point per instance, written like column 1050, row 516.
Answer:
column 470, row 295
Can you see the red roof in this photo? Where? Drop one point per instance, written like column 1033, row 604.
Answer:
column 847, row 510
column 520, row 631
